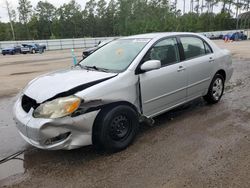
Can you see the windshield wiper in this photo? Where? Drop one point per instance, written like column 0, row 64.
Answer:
column 79, row 65
column 97, row 68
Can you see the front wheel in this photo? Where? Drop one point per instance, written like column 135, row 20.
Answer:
column 215, row 90
column 115, row 128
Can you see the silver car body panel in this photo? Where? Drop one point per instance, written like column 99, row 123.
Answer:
column 155, row 95
column 151, row 93
column 61, row 81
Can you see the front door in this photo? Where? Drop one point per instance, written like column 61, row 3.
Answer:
column 163, row 88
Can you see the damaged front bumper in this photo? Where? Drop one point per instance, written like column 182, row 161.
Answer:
column 53, row 134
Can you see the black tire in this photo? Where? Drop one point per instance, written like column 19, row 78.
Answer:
column 33, row 51
column 214, row 96
column 115, row 128
column 4, row 54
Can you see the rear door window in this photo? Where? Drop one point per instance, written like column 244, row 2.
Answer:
column 193, row 47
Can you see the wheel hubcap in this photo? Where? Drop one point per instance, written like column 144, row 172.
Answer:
column 120, row 127
column 217, row 88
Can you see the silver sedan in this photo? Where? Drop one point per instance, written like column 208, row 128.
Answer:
column 102, row 99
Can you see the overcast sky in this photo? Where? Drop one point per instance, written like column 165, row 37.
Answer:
column 58, row 3
column 14, row 3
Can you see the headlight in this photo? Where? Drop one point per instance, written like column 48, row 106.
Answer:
column 57, row 108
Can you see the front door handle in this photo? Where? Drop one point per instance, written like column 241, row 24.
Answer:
column 181, row 68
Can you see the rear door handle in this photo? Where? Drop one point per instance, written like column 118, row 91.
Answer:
column 211, row 60
column 181, row 68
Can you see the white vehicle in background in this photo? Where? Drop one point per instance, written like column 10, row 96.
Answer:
column 135, row 78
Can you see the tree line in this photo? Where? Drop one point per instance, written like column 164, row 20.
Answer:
column 117, row 18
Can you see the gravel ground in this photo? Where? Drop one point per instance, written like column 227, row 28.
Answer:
column 196, row 145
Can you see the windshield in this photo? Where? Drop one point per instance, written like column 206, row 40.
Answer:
column 115, row 56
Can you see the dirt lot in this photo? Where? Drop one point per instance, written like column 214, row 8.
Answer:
column 196, row 145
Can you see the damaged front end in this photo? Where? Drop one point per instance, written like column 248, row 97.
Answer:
column 52, row 117
column 63, row 127
column 68, row 132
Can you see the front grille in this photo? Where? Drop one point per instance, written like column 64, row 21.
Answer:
column 28, row 103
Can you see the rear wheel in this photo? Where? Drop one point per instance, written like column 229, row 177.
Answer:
column 115, row 128
column 215, row 90
column 33, row 51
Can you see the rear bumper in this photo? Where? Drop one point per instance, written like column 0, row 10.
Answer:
column 53, row 134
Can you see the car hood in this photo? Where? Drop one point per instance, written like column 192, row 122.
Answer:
column 63, row 83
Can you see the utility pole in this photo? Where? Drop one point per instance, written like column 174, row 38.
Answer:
column 10, row 18
column 184, row 6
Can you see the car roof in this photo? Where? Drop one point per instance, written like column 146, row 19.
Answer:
column 158, row 35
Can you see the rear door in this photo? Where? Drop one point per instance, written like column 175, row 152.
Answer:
column 199, row 60
column 163, row 88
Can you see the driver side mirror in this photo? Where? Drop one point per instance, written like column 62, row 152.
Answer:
column 150, row 65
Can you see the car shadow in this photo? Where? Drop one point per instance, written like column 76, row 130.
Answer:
column 165, row 118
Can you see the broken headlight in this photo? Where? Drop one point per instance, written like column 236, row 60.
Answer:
column 57, row 108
